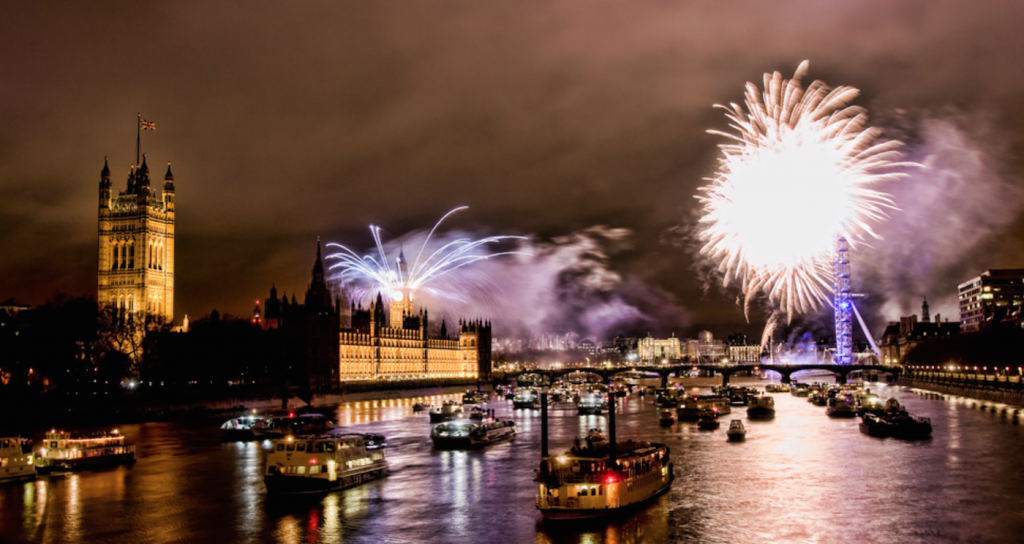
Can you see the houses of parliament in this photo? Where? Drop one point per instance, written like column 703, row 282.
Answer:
column 322, row 342
column 136, row 244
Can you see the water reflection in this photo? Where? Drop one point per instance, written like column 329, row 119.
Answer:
column 802, row 477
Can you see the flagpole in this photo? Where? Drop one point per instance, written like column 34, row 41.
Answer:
column 138, row 137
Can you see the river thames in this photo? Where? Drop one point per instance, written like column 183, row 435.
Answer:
column 802, row 477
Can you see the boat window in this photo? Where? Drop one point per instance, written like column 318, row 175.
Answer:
column 289, row 447
column 53, row 444
column 315, row 469
column 272, row 469
column 3, row 462
column 280, row 447
column 300, row 447
column 329, row 447
column 302, row 470
column 600, row 490
column 593, row 491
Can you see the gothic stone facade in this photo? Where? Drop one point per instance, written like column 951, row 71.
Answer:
column 136, row 245
column 402, row 348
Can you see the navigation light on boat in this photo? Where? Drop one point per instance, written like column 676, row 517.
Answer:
column 291, row 414
column 611, row 479
column 312, row 461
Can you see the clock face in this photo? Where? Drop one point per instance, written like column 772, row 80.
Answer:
column 397, row 295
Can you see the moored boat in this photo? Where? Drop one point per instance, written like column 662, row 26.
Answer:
column 476, row 397
column 16, row 461
column 592, row 405
column 277, row 427
column 240, row 428
column 464, row 434
column 761, row 407
column 666, row 419
column 526, row 399
column 708, row 422
column 421, row 407
column 323, row 463
column 75, row 451
column 595, row 482
column 736, row 431
column 841, row 406
column 446, row 412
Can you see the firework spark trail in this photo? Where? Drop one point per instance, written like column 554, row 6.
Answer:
column 801, row 169
column 394, row 282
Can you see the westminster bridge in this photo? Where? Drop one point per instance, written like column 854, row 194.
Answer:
column 841, row 372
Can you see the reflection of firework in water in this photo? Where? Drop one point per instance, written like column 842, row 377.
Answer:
column 402, row 279
column 801, row 170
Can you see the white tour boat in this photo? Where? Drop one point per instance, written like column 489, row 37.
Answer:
column 322, row 463
column 16, row 460
column 464, row 434
column 74, row 451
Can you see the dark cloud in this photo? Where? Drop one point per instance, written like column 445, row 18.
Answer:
column 285, row 122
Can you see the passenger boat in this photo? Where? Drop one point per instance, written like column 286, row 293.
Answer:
column 323, row 463
column 900, row 425
column 666, row 419
column 464, row 434
column 73, row 451
column 761, row 407
column 690, row 410
column 776, row 388
column 278, row 427
column 476, row 397
column 800, row 390
column 446, row 412
column 593, row 482
column 16, row 460
column 666, row 397
column 841, row 406
column 526, row 399
column 707, row 422
column 736, row 431
column 240, row 428
column 592, row 405
column 421, row 407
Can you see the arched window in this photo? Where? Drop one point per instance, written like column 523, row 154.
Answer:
column 131, row 255
column 113, row 255
column 124, row 256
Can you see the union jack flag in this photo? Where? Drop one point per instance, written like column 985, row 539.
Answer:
column 146, row 125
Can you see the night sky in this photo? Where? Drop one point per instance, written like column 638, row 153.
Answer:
column 288, row 121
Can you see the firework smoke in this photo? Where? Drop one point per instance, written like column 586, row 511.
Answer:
column 801, row 169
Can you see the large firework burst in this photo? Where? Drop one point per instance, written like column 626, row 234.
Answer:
column 801, row 169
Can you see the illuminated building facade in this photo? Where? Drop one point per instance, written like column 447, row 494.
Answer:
column 656, row 349
column 992, row 296
column 136, row 245
column 400, row 346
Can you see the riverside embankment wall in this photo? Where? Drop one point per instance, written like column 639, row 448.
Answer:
column 975, row 391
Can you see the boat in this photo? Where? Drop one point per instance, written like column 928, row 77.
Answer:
column 464, row 434
column 594, row 482
column 708, row 422
column 64, row 451
column 16, row 461
column 776, row 388
column 736, row 431
column 595, row 438
column 323, row 463
column 592, row 405
column 841, row 406
column 526, row 399
column 240, row 428
column 761, row 407
column 509, row 395
column 666, row 419
column 899, row 425
column 476, row 397
column 446, row 412
column 477, row 413
column 666, row 398
column 277, row 427
column 800, row 390
column 421, row 407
